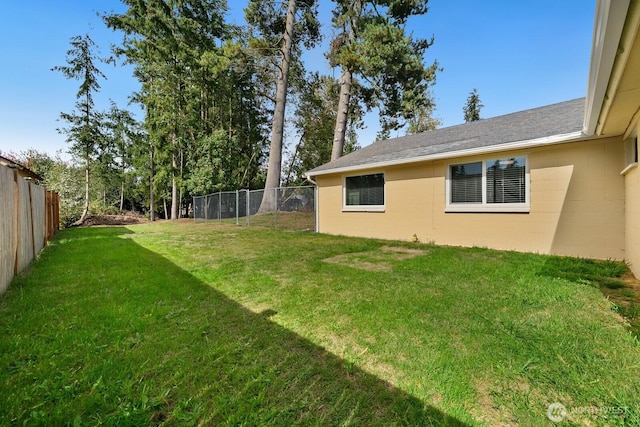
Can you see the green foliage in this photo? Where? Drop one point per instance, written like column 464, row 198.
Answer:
column 84, row 125
column 315, row 119
column 472, row 108
column 124, row 141
column 372, row 43
column 63, row 177
column 423, row 120
column 197, row 83
column 268, row 20
column 84, row 131
column 215, row 164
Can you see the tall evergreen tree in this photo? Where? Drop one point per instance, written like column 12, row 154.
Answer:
column 473, row 106
column 173, row 44
column 84, row 130
column 372, row 43
column 423, row 119
column 277, row 26
column 124, row 136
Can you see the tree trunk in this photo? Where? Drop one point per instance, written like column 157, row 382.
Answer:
column 174, row 182
column 181, row 187
column 85, row 211
column 274, row 167
column 174, row 198
column 342, row 114
column 122, row 197
column 122, row 184
column 152, row 204
column 346, row 81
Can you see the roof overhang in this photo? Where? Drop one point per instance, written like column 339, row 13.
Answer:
column 518, row 145
column 23, row 171
column 615, row 30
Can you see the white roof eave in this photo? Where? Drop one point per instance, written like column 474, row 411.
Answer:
column 609, row 23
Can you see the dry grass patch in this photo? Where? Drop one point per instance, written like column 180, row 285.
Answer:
column 380, row 260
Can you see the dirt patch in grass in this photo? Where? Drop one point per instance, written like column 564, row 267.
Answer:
column 491, row 412
column 125, row 219
column 352, row 260
column 380, row 260
column 401, row 250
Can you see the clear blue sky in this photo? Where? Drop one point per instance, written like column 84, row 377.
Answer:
column 518, row 54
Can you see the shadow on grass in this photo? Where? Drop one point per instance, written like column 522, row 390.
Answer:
column 612, row 278
column 136, row 340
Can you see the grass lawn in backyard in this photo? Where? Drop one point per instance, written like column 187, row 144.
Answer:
column 204, row 323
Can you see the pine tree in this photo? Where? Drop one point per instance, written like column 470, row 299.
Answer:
column 171, row 43
column 84, row 131
column 286, row 32
column 372, row 43
column 423, row 120
column 473, row 106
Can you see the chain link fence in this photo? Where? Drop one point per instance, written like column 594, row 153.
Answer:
column 290, row 208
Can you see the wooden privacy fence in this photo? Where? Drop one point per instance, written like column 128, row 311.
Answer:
column 29, row 216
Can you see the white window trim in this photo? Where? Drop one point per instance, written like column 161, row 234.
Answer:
column 484, row 206
column 363, row 208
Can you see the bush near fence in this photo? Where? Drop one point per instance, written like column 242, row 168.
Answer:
column 291, row 208
column 28, row 218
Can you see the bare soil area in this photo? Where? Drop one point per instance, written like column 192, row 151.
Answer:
column 124, row 219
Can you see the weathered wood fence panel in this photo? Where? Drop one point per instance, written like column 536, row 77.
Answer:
column 26, row 240
column 28, row 218
column 7, row 238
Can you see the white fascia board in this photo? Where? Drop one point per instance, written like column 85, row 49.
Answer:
column 538, row 142
column 609, row 22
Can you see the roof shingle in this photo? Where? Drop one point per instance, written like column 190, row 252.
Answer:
column 556, row 119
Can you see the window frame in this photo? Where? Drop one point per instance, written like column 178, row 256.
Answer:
column 363, row 208
column 483, row 206
column 630, row 153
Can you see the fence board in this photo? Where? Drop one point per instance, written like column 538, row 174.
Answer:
column 38, row 209
column 7, row 220
column 28, row 217
column 25, row 230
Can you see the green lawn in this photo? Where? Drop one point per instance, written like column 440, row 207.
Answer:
column 183, row 323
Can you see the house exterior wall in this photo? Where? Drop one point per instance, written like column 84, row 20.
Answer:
column 577, row 205
column 632, row 215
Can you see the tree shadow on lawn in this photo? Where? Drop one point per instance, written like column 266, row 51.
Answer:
column 151, row 344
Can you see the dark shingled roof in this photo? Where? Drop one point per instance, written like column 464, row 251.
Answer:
column 557, row 119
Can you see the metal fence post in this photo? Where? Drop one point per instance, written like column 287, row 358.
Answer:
column 237, row 206
column 219, row 206
column 248, row 206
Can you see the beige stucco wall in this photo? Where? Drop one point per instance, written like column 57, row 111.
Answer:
column 577, row 205
column 632, row 215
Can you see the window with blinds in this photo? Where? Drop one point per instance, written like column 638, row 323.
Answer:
column 364, row 190
column 466, row 183
column 488, row 186
column 506, row 181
